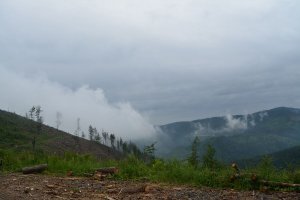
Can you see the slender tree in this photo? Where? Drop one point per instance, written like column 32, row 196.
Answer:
column 193, row 159
column 105, row 136
column 33, row 143
column 38, row 111
column 58, row 119
column 39, row 118
column 125, row 147
column 208, row 158
column 31, row 113
column 118, row 144
column 97, row 136
column 112, row 140
column 121, row 142
column 82, row 134
column 78, row 129
column 91, row 133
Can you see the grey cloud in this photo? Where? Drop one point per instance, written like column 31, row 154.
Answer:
column 172, row 60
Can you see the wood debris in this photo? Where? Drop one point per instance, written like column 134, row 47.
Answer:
column 255, row 179
column 34, row 169
column 108, row 170
column 279, row 184
column 132, row 190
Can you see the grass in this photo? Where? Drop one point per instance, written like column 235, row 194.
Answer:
column 131, row 168
column 57, row 164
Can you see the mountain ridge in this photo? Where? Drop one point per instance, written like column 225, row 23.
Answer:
column 236, row 136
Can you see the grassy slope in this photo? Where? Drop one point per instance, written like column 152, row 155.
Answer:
column 16, row 133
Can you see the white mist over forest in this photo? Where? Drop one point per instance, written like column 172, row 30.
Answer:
column 19, row 93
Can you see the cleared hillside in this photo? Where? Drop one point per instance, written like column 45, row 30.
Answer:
column 17, row 133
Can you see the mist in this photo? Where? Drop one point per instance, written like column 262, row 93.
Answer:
column 235, row 123
column 19, row 93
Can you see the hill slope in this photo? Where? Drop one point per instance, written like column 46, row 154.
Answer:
column 17, row 133
column 282, row 159
column 236, row 137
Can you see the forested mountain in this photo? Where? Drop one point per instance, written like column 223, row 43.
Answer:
column 235, row 137
column 287, row 158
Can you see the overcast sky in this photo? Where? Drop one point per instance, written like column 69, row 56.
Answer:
column 154, row 61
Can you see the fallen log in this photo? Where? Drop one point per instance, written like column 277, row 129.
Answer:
column 279, row 184
column 34, row 169
column 108, row 170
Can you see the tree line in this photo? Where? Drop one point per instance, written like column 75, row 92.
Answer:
column 103, row 137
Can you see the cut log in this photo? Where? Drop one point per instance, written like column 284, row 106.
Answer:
column 132, row 190
column 34, row 169
column 108, row 170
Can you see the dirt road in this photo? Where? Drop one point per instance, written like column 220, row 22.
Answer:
column 39, row 187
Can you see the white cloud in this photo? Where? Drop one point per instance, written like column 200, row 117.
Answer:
column 235, row 123
column 19, row 94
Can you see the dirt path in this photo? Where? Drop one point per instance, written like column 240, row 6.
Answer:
column 39, row 187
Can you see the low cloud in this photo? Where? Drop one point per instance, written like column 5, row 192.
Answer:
column 231, row 125
column 262, row 115
column 19, row 93
column 235, row 123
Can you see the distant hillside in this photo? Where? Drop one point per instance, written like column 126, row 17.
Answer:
column 282, row 159
column 17, row 133
column 235, row 137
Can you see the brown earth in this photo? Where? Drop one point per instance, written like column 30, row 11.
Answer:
column 39, row 187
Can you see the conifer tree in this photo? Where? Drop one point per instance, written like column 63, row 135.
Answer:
column 193, row 159
column 112, row 140
column 91, row 133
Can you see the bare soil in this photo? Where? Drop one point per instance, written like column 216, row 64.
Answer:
column 39, row 187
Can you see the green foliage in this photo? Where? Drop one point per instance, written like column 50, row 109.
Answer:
column 266, row 167
column 59, row 164
column 296, row 176
column 208, row 159
column 150, row 149
column 149, row 153
column 132, row 168
column 193, row 159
